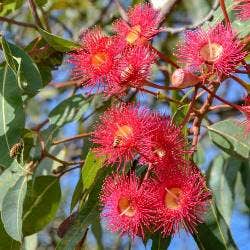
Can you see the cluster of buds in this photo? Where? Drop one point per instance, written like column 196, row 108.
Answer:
column 171, row 193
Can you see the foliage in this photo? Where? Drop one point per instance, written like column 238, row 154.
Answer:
column 46, row 118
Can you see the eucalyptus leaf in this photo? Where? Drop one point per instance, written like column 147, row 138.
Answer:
column 12, row 209
column 222, row 177
column 214, row 233
column 90, row 169
column 230, row 136
column 41, row 203
column 6, row 241
column 85, row 217
column 11, row 114
column 57, row 42
column 71, row 109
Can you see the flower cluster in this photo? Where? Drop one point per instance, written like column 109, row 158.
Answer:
column 171, row 195
column 113, row 64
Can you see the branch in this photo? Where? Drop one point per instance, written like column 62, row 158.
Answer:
column 72, row 138
column 12, row 21
column 193, row 26
column 33, row 9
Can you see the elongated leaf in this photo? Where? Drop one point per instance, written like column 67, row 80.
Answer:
column 69, row 110
column 214, row 233
column 85, row 216
column 229, row 135
column 90, row 169
column 222, row 178
column 160, row 243
column 11, row 114
column 7, row 180
column 57, row 42
column 12, row 209
column 6, row 241
column 245, row 175
column 27, row 73
column 41, row 203
column 77, row 194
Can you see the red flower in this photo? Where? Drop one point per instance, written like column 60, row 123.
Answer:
column 143, row 22
column 132, row 70
column 182, row 200
column 243, row 8
column 167, row 146
column 214, row 50
column 128, row 205
column 246, row 111
column 123, row 132
column 95, row 59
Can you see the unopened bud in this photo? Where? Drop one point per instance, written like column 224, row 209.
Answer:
column 182, row 78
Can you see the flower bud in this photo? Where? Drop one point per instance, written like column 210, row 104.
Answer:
column 182, row 78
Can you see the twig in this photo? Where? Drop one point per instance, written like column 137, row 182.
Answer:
column 193, row 26
column 121, row 10
column 190, row 108
column 12, row 21
column 67, row 84
column 33, row 9
column 68, row 170
column 241, row 82
column 164, row 57
column 39, row 126
column 224, row 10
column 199, row 115
column 72, row 138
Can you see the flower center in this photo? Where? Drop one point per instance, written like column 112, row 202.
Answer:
column 125, row 207
column 160, row 152
column 173, row 197
column 133, row 34
column 123, row 132
column 99, row 59
column 211, row 52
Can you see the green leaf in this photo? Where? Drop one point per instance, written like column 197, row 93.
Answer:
column 41, row 203
column 7, row 180
column 229, row 135
column 245, row 176
column 77, row 194
column 221, row 179
column 27, row 73
column 214, row 233
column 57, row 42
column 8, row 55
column 11, row 114
column 90, row 169
column 6, row 241
column 160, row 243
column 86, row 215
column 69, row 110
column 12, row 209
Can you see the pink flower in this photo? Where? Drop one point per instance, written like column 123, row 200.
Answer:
column 128, row 205
column 122, row 133
column 95, row 59
column 246, row 111
column 216, row 50
column 132, row 70
column 143, row 22
column 243, row 9
column 182, row 200
column 167, row 146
